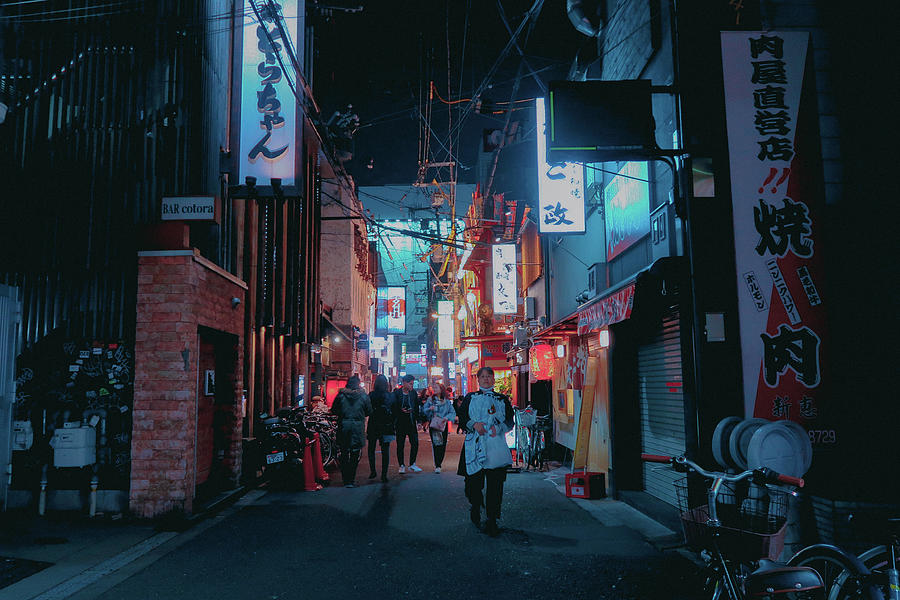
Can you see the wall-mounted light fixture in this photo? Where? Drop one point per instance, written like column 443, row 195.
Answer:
column 337, row 339
column 560, row 350
column 604, row 338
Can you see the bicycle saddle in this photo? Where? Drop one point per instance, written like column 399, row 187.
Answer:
column 775, row 578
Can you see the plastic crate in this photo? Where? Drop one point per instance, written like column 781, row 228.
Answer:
column 586, row 485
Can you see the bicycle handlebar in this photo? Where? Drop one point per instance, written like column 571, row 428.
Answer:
column 682, row 464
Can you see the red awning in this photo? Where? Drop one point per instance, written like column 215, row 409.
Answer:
column 605, row 311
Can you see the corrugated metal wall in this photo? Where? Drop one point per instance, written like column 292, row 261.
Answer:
column 662, row 406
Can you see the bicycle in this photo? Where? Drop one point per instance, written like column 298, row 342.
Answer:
column 738, row 524
column 882, row 560
column 524, row 418
column 883, row 582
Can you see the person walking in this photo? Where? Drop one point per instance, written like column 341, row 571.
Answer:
column 460, row 426
column 438, row 414
column 424, row 396
column 487, row 416
column 351, row 406
column 380, row 428
column 406, row 424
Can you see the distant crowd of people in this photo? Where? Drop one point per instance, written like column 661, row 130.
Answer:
column 485, row 416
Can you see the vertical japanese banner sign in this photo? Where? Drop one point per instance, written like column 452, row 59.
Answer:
column 505, row 279
column 268, row 106
column 777, row 192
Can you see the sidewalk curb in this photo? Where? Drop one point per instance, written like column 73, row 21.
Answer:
column 655, row 533
column 63, row 585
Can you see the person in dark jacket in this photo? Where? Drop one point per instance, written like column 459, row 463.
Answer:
column 460, row 426
column 380, row 428
column 352, row 406
column 484, row 413
column 409, row 414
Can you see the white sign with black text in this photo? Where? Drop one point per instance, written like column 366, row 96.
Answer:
column 188, row 208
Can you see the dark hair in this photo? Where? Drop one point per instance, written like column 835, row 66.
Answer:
column 408, row 378
column 353, row 382
column 484, row 370
column 381, row 384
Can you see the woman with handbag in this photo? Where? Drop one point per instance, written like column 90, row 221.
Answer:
column 487, row 416
column 438, row 413
column 380, row 427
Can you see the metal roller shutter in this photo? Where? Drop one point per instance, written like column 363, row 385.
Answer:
column 662, row 406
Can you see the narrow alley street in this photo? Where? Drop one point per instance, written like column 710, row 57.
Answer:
column 408, row 538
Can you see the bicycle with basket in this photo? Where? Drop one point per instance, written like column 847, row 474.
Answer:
column 737, row 522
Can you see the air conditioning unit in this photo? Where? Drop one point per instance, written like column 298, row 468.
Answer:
column 530, row 308
column 596, row 279
column 520, row 337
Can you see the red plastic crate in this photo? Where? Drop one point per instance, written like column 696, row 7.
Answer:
column 586, row 484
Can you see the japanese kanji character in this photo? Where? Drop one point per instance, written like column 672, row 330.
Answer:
column 768, row 71
column 772, row 45
column 775, row 149
column 797, row 349
column 556, row 215
column 771, row 123
column 781, row 407
column 808, row 409
column 780, row 227
column 771, row 96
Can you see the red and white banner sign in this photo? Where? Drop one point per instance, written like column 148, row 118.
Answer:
column 776, row 182
column 612, row 309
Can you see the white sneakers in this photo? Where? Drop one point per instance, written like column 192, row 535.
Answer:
column 403, row 468
column 415, row 468
column 437, row 470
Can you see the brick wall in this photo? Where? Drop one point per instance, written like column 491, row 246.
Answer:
column 178, row 291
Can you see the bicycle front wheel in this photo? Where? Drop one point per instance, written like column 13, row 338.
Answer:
column 845, row 576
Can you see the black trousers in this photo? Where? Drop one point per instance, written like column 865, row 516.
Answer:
column 476, row 482
column 412, row 432
column 439, row 451
column 349, row 463
column 385, row 456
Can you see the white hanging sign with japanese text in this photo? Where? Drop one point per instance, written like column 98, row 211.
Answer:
column 560, row 187
column 505, row 280
column 777, row 198
column 268, row 106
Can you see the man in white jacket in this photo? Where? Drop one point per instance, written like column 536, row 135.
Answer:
column 485, row 414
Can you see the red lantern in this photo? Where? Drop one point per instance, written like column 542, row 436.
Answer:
column 543, row 361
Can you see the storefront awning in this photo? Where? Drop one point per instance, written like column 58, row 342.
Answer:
column 612, row 308
column 336, row 328
column 505, row 337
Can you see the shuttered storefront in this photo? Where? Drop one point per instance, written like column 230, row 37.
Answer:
column 662, row 406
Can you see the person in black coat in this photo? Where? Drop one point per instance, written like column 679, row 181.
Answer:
column 380, row 427
column 408, row 416
column 351, row 406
